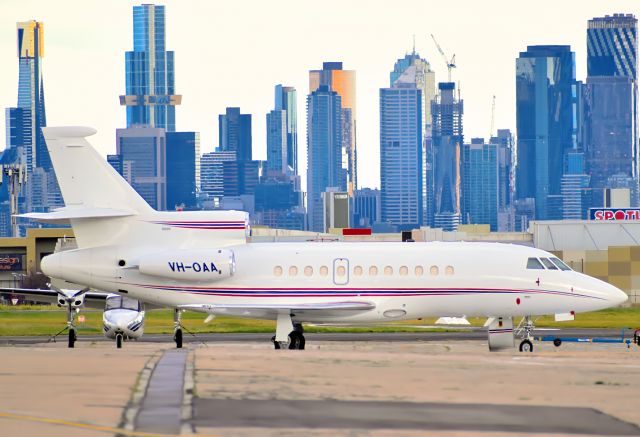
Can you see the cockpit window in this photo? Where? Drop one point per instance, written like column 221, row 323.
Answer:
column 534, row 263
column 548, row 264
column 561, row 265
column 119, row 302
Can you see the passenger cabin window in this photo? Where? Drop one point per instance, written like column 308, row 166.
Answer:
column 388, row 271
column 561, row 265
column 534, row 264
column 293, row 271
column 373, row 271
column 341, row 271
column 357, row 270
column 324, row 271
column 404, row 271
column 548, row 264
column 277, row 271
column 419, row 271
column 448, row 270
column 434, row 271
column 308, row 271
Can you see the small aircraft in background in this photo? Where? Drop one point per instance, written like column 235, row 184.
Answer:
column 122, row 319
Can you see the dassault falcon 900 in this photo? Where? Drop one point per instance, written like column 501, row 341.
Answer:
column 201, row 261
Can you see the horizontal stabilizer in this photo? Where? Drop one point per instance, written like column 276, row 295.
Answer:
column 62, row 215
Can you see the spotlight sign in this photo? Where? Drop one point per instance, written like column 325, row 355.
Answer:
column 614, row 214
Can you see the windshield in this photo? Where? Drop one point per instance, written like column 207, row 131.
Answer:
column 120, row 302
column 561, row 265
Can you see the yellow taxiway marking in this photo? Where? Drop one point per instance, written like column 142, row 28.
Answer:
column 101, row 428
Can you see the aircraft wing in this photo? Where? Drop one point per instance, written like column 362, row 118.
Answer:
column 93, row 299
column 247, row 310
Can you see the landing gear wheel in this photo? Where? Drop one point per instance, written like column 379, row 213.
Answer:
column 276, row 344
column 296, row 340
column 557, row 342
column 119, row 341
column 178, row 338
column 72, row 338
column 526, row 346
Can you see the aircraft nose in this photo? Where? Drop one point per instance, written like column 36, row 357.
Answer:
column 618, row 297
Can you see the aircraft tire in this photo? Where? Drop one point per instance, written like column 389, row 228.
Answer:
column 557, row 342
column 119, row 341
column 296, row 340
column 178, row 338
column 276, row 344
column 526, row 346
column 72, row 338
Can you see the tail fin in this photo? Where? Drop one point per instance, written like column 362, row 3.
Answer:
column 104, row 210
column 85, row 178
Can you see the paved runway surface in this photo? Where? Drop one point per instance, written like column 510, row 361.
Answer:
column 477, row 334
column 409, row 384
column 406, row 416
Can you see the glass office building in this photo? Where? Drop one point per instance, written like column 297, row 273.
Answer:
column 342, row 82
column 480, row 183
column 183, row 169
column 324, row 151
column 401, row 156
column 150, row 96
column 447, row 140
column 547, row 96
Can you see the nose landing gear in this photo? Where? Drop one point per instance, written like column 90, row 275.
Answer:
column 525, row 328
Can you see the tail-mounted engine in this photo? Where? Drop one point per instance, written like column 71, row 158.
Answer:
column 201, row 265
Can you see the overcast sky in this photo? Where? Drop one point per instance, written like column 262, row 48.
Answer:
column 232, row 53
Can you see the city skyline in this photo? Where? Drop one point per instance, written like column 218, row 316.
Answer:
column 369, row 45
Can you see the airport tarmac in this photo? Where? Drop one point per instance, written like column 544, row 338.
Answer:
column 376, row 387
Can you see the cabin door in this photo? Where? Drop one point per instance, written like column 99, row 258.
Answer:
column 341, row 271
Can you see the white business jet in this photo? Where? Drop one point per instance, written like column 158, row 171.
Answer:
column 200, row 261
column 122, row 319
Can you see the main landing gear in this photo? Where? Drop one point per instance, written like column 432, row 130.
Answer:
column 525, row 329
column 72, row 335
column 177, row 328
column 289, row 335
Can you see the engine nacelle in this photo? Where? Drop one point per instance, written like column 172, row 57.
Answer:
column 201, row 265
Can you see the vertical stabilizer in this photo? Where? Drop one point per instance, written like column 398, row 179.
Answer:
column 85, row 177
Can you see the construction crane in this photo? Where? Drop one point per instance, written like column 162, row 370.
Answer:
column 493, row 116
column 450, row 63
column 17, row 175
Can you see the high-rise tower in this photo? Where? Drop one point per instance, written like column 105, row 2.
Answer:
column 611, row 105
column 282, row 132
column 324, row 147
column 150, row 93
column 343, row 82
column 31, row 93
column 546, row 116
column 447, row 112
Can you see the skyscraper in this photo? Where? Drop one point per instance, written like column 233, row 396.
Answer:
column 611, row 105
column 343, row 82
column 447, row 112
column 183, row 169
column 150, row 93
column 324, row 151
column 412, row 69
column 141, row 160
column 401, row 156
column 480, row 181
column 31, row 93
column 286, row 100
column 234, row 133
column 546, row 106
